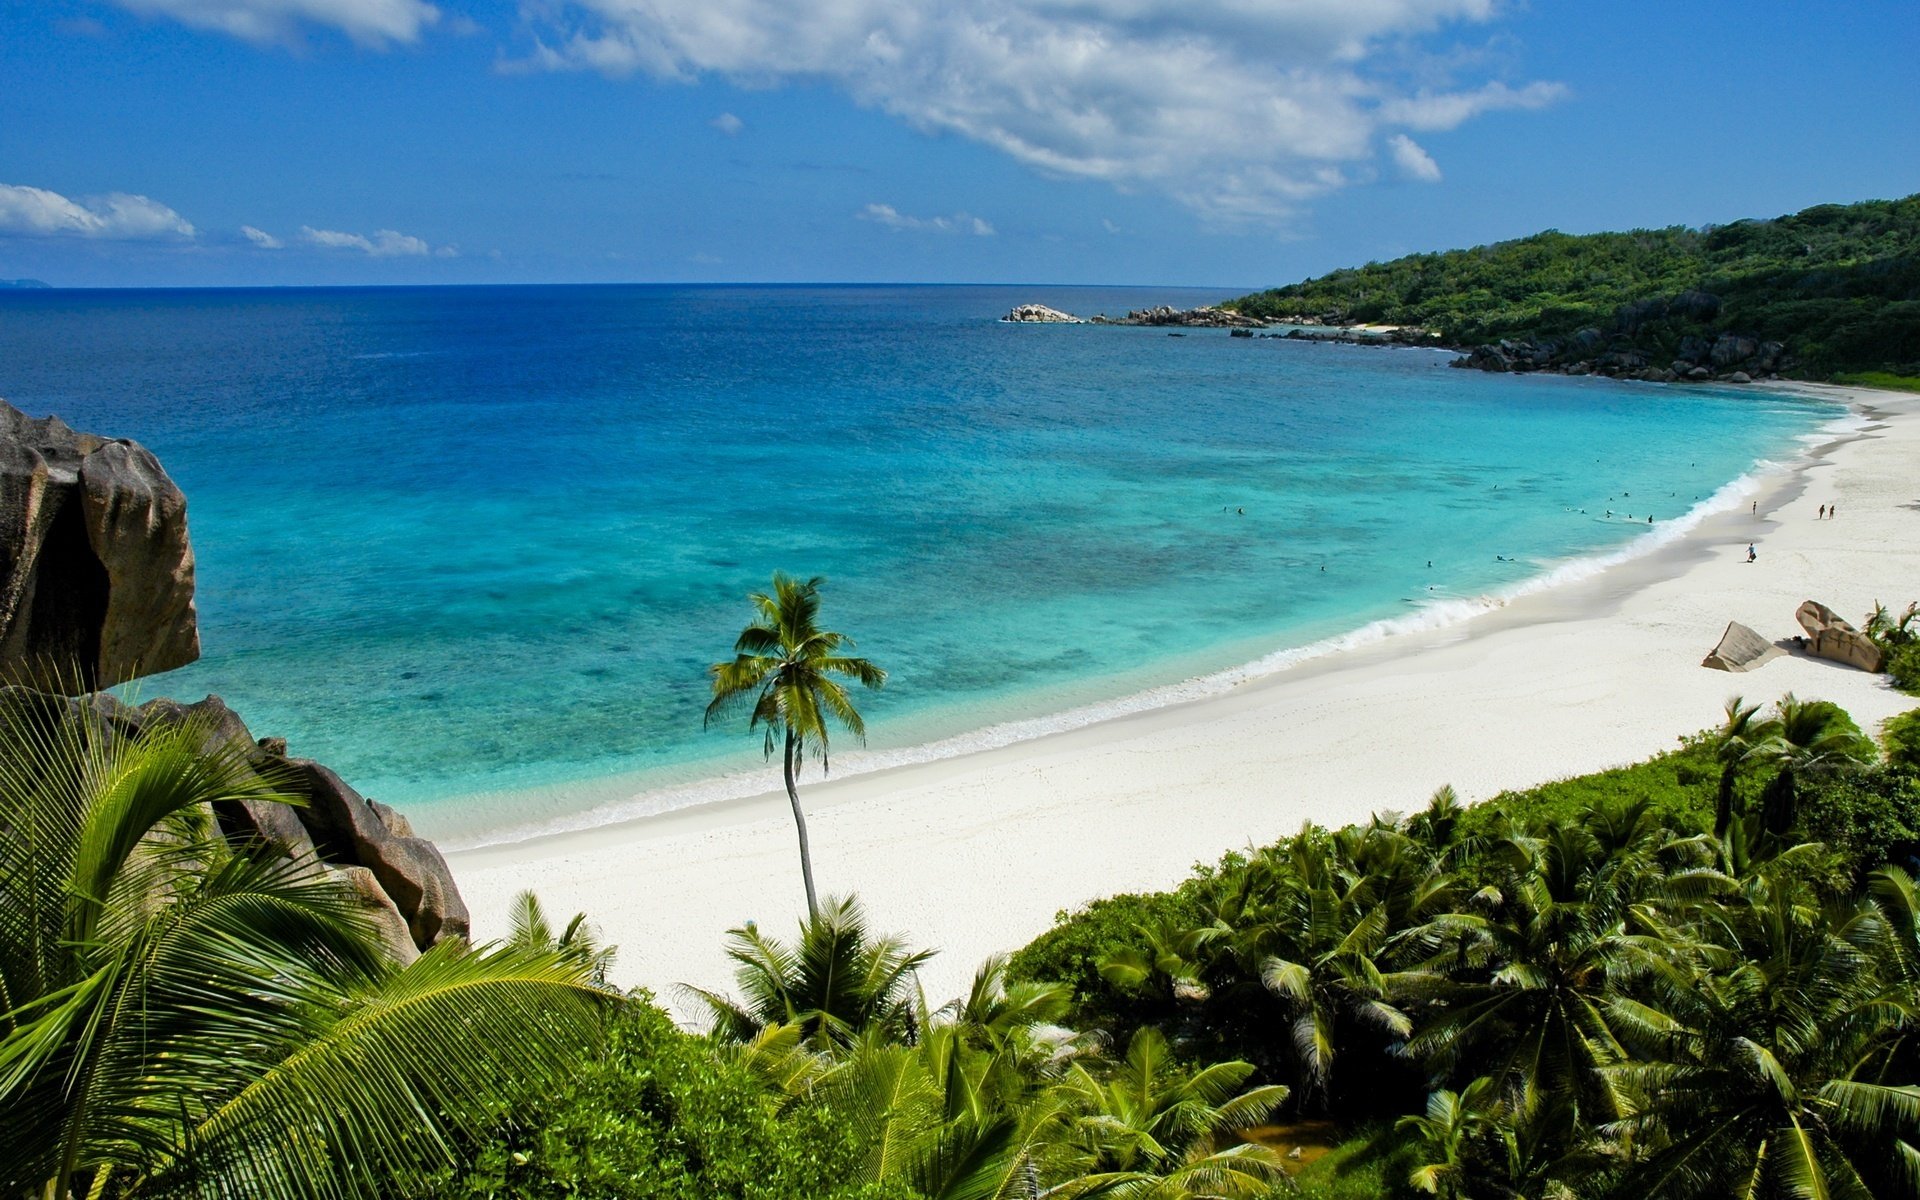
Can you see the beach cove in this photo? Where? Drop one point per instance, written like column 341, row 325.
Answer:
column 973, row 855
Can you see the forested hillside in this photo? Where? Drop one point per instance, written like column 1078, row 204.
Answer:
column 1837, row 285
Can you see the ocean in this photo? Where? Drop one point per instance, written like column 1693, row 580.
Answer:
column 475, row 547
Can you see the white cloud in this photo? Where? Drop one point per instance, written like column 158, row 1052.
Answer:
column 117, row 216
column 892, row 218
column 370, row 22
column 261, row 238
column 1414, row 162
column 1241, row 109
column 385, row 243
column 728, row 124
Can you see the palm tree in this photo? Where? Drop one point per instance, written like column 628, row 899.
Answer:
column 1149, row 1129
column 1807, row 736
column 1446, row 1134
column 176, row 1015
column 835, row 983
column 1757, row 1062
column 1740, row 740
column 790, row 668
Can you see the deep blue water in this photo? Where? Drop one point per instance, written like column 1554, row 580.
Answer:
column 459, row 541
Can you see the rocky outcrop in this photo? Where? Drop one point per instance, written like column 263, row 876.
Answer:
column 1206, row 317
column 96, row 572
column 1831, row 636
column 401, row 881
column 1040, row 314
column 1656, row 340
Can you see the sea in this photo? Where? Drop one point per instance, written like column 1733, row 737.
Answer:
column 476, row 547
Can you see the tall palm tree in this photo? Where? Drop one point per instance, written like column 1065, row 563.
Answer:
column 178, row 1016
column 1741, row 740
column 790, row 670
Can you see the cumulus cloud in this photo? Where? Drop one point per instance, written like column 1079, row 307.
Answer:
column 117, row 216
column 728, row 124
column 370, row 22
column 261, row 238
column 385, row 243
column 1414, row 162
column 1242, row 109
column 892, row 218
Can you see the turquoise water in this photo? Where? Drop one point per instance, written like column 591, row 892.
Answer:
column 474, row 547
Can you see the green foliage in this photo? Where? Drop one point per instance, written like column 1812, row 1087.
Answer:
column 1072, row 951
column 1870, row 817
column 177, row 1017
column 1901, row 737
column 1903, row 667
column 1677, row 787
column 1879, row 379
column 663, row 1114
column 1839, row 285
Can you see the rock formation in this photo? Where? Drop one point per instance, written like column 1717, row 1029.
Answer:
column 1831, row 636
column 1206, row 317
column 1640, row 343
column 400, row 880
column 1040, row 314
column 96, row 573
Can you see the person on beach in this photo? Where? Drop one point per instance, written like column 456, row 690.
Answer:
column 1832, row 509
column 1752, row 553
column 1823, row 513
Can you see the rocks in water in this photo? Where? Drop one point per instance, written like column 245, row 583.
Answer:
column 1205, row 317
column 1040, row 314
column 96, row 572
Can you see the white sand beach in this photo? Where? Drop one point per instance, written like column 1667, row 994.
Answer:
column 975, row 854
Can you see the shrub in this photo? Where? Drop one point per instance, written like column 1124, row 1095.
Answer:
column 665, row 1115
column 1903, row 666
column 1678, row 787
column 1071, row 951
column 1901, row 738
column 1870, row 817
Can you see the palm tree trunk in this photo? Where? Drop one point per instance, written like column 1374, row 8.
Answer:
column 800, row 823
column 1723, row 803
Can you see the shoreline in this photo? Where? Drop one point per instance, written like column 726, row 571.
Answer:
column 973, row 853
column 630, row 799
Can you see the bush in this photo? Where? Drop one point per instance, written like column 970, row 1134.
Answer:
column 1071, row 951
column 664, row 1115
column 1901, row 738
column 1903, row 666
column 1678, row 787
column 1870, row 817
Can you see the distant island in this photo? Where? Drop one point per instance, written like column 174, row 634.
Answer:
column 24, row 283
column 1832, row 292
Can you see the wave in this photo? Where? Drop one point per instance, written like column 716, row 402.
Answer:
column 1429, row 616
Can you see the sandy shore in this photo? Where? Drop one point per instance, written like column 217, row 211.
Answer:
column 975, row 854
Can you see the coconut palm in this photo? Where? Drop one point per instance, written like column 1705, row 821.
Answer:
column 789, row 670
column 1807, row 736
column 1446, row 1134
column 1741, row 740
column 1755, row 1069
column 177, row 1016
column 835, row 983
column 1148, row 1129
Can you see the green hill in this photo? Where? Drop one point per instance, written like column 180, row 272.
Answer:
column 1837, row 286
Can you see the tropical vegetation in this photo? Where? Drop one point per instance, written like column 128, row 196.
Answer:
column 1697, row 976
column 1837, row 285
column 786, row 672
column 183, row 1016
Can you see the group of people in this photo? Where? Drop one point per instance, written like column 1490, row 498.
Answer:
column 1827, row 511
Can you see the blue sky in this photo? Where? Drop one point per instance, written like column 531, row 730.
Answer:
column 1240, row 143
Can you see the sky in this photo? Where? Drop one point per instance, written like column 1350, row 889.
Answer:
column 1237, row 143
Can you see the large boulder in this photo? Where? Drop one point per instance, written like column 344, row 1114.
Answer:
column 319, row 818
column 1040, row 314
column 96, row 572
